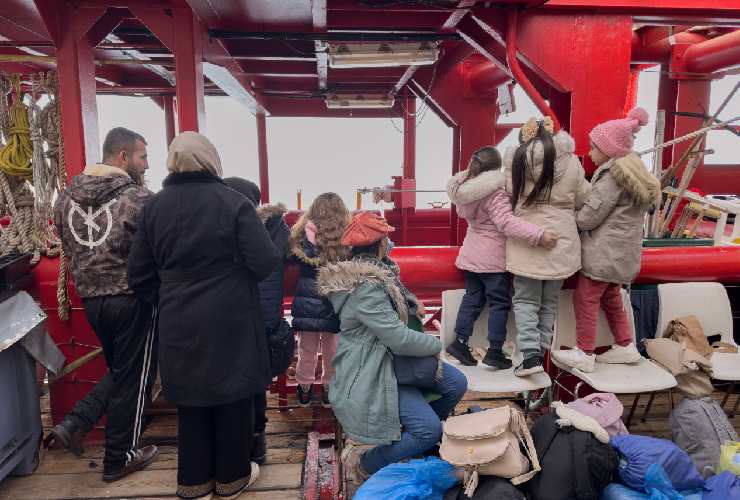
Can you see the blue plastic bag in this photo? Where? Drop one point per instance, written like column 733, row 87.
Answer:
column 657, row 487
column 724, row 486
column 418, row 479
column 638, row 453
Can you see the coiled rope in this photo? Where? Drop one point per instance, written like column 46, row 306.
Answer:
column 24, row 159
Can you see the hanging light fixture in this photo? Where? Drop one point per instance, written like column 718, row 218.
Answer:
column 359, row 101
column 374, row 55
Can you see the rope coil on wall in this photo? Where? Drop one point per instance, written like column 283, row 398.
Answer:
column 32, row 170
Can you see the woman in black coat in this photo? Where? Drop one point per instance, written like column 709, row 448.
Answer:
column 199, row 253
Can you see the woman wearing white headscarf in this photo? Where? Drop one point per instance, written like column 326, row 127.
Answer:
column 198, row 255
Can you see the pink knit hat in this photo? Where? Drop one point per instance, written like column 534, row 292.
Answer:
column 615, row 138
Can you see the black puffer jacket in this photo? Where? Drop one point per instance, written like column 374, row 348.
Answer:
column 311, row 312
column 271, row 288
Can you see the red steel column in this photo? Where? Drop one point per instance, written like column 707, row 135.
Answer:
column 409, row 138
column 409, row 158
column 189, row 70
column 692, row 96
column 262, row 150
column 76, row 71
column 168, row 102
column 667, row 95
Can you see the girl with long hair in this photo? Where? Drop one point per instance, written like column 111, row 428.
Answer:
column 315, row 241
column 547, row 185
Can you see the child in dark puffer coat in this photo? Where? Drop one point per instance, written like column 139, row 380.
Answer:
column 315, row 241
column 271, row 294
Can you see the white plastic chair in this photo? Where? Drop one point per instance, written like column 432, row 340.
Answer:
column 637, row 378
column 482, row 378
column 711, row 306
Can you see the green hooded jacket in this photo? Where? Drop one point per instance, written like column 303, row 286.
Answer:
column 373, row 315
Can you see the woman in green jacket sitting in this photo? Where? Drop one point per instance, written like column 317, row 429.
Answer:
column 364, row 392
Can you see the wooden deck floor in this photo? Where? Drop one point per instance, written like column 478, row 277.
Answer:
column 61, row 476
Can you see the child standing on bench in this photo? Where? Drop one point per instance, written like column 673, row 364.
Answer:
column 611, row 220
column 547, row 185
column 481, row 200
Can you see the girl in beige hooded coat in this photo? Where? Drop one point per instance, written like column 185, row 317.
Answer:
column 547, row 185
column 611, row 220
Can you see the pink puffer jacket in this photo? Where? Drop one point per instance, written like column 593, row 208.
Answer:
column 485, row 205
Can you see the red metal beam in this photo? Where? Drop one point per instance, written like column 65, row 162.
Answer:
column 262, row 152
column 461, row 11
column 705, row 11
column 715, row 54
column 511, row 57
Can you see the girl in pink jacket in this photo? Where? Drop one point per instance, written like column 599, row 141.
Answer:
column 481, row 199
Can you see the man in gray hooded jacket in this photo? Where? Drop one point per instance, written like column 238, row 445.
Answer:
column 97, row 217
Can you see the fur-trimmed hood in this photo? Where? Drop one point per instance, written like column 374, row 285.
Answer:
column 462, row 190
column 564, row 145
column 267, row 212
column 632, row 176
column 337, row 281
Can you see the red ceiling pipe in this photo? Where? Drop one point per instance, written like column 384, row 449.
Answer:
column 660, row 51
column 715, row 54
column 486, row 77
column 516, row 70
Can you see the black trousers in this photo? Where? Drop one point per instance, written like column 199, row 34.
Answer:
column 260, row 416
column 214, row 446
column 125, row 327
column 89, row 410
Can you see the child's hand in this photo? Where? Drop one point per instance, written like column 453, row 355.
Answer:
column 549, row 240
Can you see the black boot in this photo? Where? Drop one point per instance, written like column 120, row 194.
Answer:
column 495, row 358
column 259, row 448
column 461, row 352
column 67, row 434
column 140, row 459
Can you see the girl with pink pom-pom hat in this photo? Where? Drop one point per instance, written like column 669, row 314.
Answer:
column 611, row 222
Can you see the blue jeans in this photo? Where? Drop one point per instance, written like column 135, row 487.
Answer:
column 482, row 288
column 422, row 428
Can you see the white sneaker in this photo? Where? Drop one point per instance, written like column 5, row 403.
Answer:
column 576, row 358
column 618, row 354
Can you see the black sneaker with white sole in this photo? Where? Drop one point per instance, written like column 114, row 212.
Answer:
column 461, row 352
column 137, row 460
column 495, row 358
column 529, row 366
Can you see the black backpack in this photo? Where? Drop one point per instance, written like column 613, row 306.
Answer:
column 281, row 347
column 489, row 488
column 575, row 465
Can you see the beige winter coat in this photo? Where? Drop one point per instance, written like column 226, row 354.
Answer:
column 612, row 219
column 569, row 191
